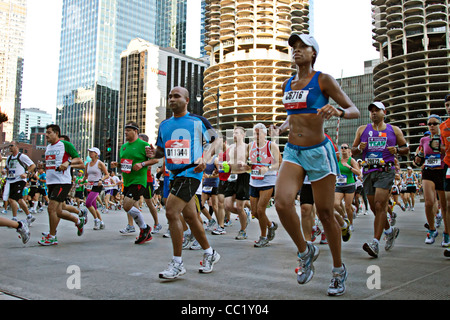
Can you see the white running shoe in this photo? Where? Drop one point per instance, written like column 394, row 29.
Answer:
column 173, row 271
column 208, row 262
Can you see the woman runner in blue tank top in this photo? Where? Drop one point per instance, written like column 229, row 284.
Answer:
column 309, row 152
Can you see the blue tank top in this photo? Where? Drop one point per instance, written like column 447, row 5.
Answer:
column 307, row 100
column 210, row 182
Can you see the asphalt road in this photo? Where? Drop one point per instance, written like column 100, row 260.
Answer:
column 104, row 265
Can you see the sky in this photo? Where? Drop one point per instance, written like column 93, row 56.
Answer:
column 342, row 28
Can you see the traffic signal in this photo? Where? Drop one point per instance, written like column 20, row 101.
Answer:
column 108, row 147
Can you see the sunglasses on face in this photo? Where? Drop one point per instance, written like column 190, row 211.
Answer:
column 433, row 123
column 345, row 148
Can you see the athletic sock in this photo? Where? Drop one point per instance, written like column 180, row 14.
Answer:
column 177, row 259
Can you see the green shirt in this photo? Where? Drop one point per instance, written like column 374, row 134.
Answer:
column 130, row 154
column 78, row 183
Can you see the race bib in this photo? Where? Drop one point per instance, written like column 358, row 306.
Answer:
column 178, row 151
column 126, row 165
column 207, row 189
column 374, row 158
column 293, row 100
column 341, row 179
column 433, row 161
column 11, row 174
column 50, row 162
column 89, row 186
column 256, row 173
column 447, row 174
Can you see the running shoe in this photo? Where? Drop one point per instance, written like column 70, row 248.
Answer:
column 219, row 231
column 80, row 226
column 346, row 233
column 211, row 224
column 445, row 240
column 393, row 218
column 315, row 232
column 173, row 271
column 157, row 228
column 30, row 220
column 447, row 253
column 128, row 229
column 249, row 216
column 208, row 262
column 48, row 241
column 102, row 225
column 438, row 220
column 195, row 245
column 305, row 270
column 323, row 239
column 337, row 285
column 242, row 235
column 390, row 238
column 371, row 248
column 228, row 223
column 188, row 240
column 431, row 236
column 271, row 231
column 167, row 234
column 84, row 213
column 24, row 231
column 262, row 242
column 144, row 236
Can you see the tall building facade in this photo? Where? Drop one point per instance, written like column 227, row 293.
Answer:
column 32, row 117
column 94, row 33
column 360, row 91
column 171, row 24
column 249, row 59
column 13, row 15
column 148, row 73
column 414, row 74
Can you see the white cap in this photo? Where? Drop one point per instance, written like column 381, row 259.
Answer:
column 306, row 39
column 377, row 104
column 96, row 150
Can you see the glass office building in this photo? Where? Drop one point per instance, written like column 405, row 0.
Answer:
column 93, row 35
column 13, row 15
column 171, row 24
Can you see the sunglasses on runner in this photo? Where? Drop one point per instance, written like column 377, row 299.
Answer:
column 433, row 123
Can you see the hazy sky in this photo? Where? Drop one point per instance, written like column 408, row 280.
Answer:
column 343, row 30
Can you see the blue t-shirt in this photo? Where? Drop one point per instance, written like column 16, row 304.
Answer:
column 183, row 140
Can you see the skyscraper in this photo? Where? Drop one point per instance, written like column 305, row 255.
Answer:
column 413, row 38
column 93, row 35
column 148, row 73
column 171, row 24
column 13, row 15
column 249, row 59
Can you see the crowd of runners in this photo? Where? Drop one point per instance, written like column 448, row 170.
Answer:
column 204, row 175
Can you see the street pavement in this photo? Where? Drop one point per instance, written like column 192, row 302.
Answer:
column 104, row 265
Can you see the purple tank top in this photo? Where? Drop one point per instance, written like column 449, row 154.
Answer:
column 376, row 151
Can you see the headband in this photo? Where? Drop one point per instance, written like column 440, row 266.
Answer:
column 130, row 126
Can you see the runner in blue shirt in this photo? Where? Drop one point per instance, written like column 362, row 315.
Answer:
column 181, row 140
